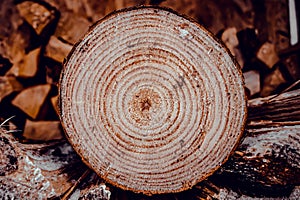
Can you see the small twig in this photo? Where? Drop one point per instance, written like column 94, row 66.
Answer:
column 70, row 191
column 285, row 90
column 13, row 131
column 271, row 123
column 2, row 124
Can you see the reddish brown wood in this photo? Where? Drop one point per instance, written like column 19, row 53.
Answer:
column 42, row 130
column 151, row 101
column 25, row 65
column 31, row 99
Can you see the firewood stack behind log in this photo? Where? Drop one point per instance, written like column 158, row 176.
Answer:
column 35, row 38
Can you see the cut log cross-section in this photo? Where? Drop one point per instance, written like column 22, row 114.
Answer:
column 151, row 101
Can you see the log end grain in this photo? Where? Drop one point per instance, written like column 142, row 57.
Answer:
column 151, row 101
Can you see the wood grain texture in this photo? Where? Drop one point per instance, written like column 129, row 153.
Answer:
column 151, row 101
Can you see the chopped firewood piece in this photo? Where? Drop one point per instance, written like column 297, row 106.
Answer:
column 25, row 65
column 42, row 130
column 72, row 27
column 252, row 81
column 267, row 54
column 271, row 82
column 31, row 99
column 35, row 14
column 57, row 49
column 8, row 84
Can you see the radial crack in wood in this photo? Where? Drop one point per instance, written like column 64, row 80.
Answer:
column 151, row 101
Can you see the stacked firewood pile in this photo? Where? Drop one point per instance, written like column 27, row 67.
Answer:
column 35, row 38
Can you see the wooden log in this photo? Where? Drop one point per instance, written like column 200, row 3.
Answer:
column 36, row 14
column 151, row 101
column 276, row 108
column 31, row 99
column 43, row 171
column 265, row 164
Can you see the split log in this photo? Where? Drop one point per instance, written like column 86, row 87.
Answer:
column 267, row 54
column 41, row 16
column 151, row 101
column 31, row 99
column 229, row 37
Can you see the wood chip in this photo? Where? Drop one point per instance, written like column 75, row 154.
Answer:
column 31, row 99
